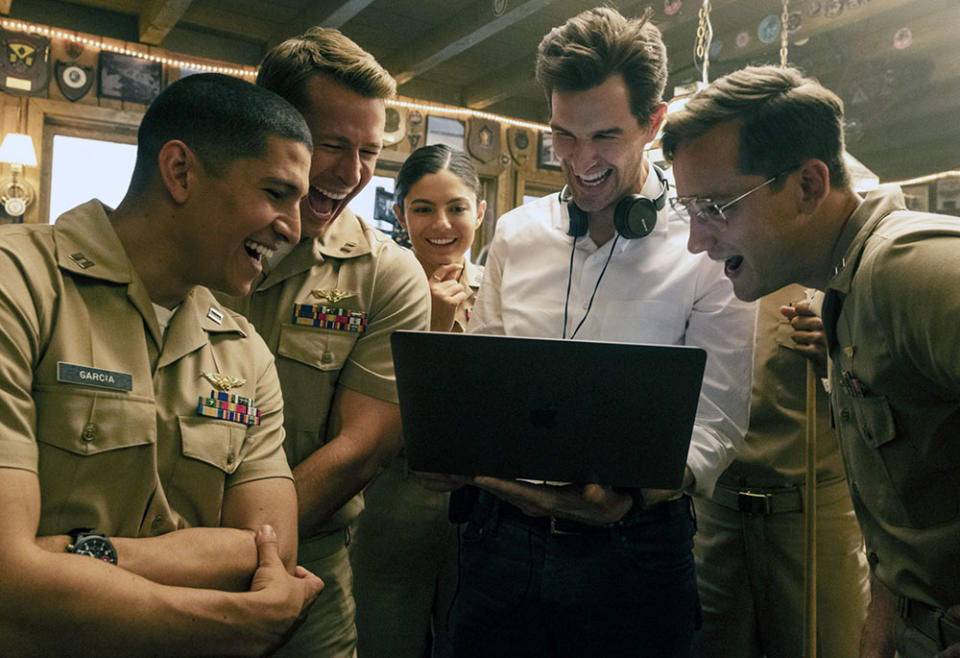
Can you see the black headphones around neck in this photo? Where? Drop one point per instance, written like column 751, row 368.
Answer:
column 634, row 216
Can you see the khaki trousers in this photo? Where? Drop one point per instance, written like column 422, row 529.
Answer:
column 404, row 558
column 750, row 579
column 329, row 631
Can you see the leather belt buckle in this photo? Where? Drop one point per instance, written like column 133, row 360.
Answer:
column 749, row 502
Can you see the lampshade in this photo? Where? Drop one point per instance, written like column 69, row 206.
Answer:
column 17, row 148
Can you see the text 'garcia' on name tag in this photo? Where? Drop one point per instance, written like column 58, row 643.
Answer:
column 71, row 373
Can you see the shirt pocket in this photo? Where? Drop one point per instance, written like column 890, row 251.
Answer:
column 97, row 462
column 323, row 349
column 905, row 491
column 210, row 451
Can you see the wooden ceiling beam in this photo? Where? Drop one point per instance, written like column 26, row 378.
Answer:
column 5, row 6
column 327, row 14
column 159, row 17
column 516, row 79
column 463, row 31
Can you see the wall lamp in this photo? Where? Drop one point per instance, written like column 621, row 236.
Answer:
column 16, row 194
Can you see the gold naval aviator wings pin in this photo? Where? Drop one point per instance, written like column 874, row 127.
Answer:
column 332, row 296
column 223, row 382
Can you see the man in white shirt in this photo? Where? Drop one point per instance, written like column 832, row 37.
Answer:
column 584, row 570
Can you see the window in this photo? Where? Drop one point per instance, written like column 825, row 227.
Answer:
column 84, row 169
column 365, row 204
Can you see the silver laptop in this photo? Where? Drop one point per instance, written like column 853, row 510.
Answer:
column 617, row 414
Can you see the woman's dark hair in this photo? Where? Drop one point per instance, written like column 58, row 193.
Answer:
column 431, row 159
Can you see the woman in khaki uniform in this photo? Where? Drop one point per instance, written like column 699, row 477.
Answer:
column 405, row 554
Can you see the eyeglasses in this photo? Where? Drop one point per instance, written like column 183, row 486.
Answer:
column 709, row 212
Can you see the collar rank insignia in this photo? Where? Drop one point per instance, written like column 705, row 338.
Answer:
column 332, row 296
column 327, row 317
column 223, row 382
column 215, row 315
column 233, row 408
column 80, row 259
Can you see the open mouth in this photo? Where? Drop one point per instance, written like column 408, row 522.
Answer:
column 732, row 264
column 257, row 251
column 440, row 242
column 595, row 179
column 324, row 203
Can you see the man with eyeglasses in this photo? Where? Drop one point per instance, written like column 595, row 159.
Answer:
column 890, row 314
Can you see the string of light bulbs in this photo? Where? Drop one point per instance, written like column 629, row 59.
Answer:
column 251, row 72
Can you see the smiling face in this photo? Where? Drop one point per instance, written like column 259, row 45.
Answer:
column 243, row 214
column 347, row 133
column 441, row 215
column 762, row 244
column 600, row 143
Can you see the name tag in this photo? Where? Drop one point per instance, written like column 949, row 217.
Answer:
column 71, row 373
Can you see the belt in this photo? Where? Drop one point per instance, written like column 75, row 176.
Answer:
column 759, row 501
column 776, row 500
column 932, row 622
column 555, row 525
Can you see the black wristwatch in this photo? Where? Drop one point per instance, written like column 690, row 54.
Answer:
column 83, row 541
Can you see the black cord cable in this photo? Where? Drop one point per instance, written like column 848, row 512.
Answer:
column 596, row 287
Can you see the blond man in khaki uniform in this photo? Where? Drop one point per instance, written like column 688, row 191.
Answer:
column 749, row 542
column 327, row 310
column 141, row 421
column 758, row 158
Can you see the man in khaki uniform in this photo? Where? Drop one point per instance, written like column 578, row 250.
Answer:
column 141, row 421
column 327, row 309
column 758, row 158
column 749, row 544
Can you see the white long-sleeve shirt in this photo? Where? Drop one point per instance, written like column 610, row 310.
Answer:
column 654, row 291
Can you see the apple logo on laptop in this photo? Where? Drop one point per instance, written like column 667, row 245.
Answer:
column 545, row 417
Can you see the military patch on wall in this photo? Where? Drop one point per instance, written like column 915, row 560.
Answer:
column 73, row 80
column 518, row 140
column 395, row 127
column 25, row 64
column 483, row 141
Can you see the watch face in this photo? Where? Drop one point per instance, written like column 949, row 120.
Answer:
column 97, row 547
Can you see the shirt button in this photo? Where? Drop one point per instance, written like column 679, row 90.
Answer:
column 89, row 432
column 157, row 522
column 326, row 358
column 845, row 414
column 230, row 459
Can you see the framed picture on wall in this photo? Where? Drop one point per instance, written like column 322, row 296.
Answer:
column 128, row 78
column 917, row 197
column 444, row 130
column 546, row 156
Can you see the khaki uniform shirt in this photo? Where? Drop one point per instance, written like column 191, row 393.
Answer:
column 327, row 311
column 470, row 278
column 774, row 453
column 106, row 411
column 891, row 314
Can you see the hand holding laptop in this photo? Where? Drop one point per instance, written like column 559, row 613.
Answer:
column 586, row 503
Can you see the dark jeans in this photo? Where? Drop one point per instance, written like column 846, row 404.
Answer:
column 625, row 591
